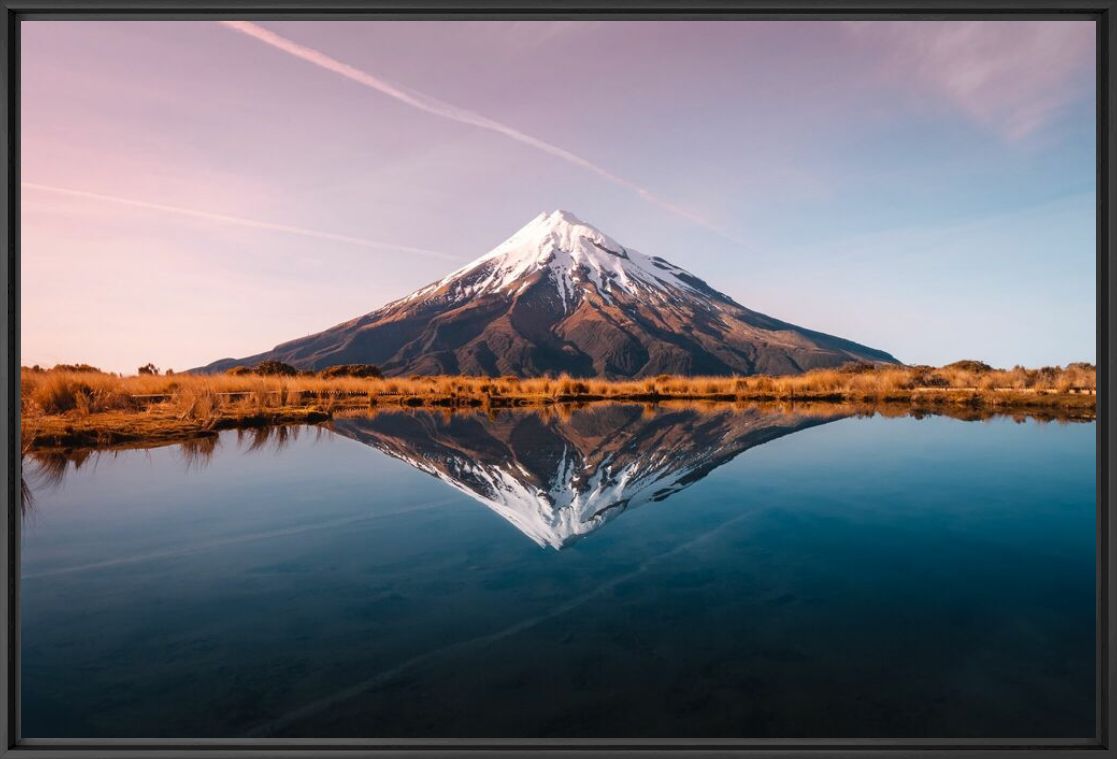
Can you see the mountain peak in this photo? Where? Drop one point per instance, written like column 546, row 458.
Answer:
column 560, row 295
column 558, row 228
column 575, row 256
column 561, row 216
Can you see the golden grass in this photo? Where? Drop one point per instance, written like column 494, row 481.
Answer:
column 66, row 407
column 47, row 465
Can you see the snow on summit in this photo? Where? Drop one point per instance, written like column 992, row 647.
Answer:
column 574, row 254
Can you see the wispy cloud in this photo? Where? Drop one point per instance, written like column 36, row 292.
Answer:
column 237, row 220
column 1011, row 77
column 442, row 109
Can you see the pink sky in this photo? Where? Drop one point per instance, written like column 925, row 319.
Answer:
column 198, row 190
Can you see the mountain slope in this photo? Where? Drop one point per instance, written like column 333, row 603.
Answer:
column 560, row 296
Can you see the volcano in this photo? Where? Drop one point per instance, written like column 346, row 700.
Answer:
column 561, row 296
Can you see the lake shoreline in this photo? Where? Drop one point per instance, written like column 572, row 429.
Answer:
column 162, row 423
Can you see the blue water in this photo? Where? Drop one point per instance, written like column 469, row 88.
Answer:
column 860, row 578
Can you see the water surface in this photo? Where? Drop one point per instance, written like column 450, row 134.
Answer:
column 608, row 572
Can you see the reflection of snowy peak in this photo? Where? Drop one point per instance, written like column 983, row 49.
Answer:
column 558, row 478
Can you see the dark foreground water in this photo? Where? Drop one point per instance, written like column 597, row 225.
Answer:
column 610, row 573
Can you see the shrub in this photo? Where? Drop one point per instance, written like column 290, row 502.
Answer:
column 969, row 365
column 275, row 368
column 76, row 368
column 857, row 367
column 351, row 370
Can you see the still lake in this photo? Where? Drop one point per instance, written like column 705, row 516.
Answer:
column 605, row 572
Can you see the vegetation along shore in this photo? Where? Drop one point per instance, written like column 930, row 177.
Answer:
column 76, row 405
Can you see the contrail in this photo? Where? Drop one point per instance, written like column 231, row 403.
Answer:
column 445, row 110
column 186, row 551
column 239, row 220
column 377, row 680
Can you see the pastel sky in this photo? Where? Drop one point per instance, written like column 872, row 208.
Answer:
column 195, row 190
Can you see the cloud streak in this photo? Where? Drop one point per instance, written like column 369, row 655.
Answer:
column 1013, row 78
column 442, row 109
column 237, row 220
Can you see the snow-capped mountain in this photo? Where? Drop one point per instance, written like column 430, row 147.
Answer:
column 573, row 257
column 561, row 296
column 557, row 479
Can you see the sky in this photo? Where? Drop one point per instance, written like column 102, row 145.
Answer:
column 193, row 190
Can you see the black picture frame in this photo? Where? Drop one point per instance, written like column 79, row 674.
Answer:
column 1101, row 11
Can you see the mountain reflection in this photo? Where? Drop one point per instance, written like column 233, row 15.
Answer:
column 555, row 472
column 559, row 476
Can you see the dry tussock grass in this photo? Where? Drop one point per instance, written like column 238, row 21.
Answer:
column 200, row 396
column 67, row 404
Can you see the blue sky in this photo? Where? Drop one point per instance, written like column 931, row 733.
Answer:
column 197, row 190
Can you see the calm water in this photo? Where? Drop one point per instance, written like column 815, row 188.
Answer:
column 611, row 572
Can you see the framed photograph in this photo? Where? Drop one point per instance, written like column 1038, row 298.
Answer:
column 416, row 378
